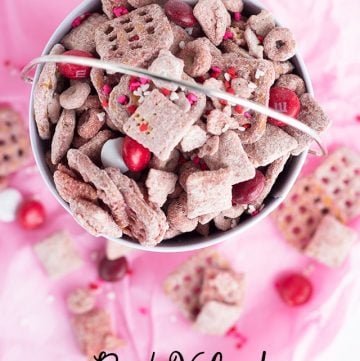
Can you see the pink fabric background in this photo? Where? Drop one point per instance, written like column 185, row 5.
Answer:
column 34, row 323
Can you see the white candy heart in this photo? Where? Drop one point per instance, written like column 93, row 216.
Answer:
column 10, row 199
column 111, row 154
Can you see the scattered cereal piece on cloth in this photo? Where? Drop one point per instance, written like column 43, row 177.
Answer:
column 183, row 286
column 331, row 242
column 14, row 143
column 339, row 175
column 93, row 331
column 302, row 211
column 58, row 255
column 80, row 301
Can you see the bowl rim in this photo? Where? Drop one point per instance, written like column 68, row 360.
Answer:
column 180, row 243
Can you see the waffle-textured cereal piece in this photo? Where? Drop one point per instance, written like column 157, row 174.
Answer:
column 339, row 175
column 135, row 38
column 14, row 144
column 58, row 255
column 300, row 214
column 331, row 242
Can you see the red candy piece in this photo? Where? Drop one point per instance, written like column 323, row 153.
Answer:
column 284, row 101
column 294, row 289
column 113, row 270
column 180, row 13
column 31, row 215
column 247, row 192
column 73, row 71
column 135, row 156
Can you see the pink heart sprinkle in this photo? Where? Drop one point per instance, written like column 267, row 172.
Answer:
column 192, row 98
column 106, row 89
column 123, row 99
column 228, row 35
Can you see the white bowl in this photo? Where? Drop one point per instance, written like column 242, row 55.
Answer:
column 185, row 242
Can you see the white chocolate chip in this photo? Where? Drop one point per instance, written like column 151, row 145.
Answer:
column 10, row 200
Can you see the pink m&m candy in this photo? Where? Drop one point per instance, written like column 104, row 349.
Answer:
column 180, row 13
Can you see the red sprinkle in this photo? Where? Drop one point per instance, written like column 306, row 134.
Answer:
column 215, row 72
column 232, row 72
column 227, row 84
column 131, row 109
column 238, row 109
column 78, row 21
column 223, row 102
column 105, row 103
column 165, row 91
column 144, row 127
column 231, row 91
column 260, row 38
column 134, row 38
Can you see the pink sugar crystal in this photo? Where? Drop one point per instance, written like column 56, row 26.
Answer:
column 120, row 10
column 106, row 89
column 237, row 16
column 123, row 99
column 228, row 35
column 134, row 85
column 192, row 98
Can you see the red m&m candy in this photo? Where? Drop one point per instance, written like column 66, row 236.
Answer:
column 284, row 101
column 180, row 13
column 73, row 71
column 31, row 214
column 136, row 156
column 247, row 192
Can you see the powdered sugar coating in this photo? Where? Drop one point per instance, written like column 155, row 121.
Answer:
column 279, row 44
column 75, row 96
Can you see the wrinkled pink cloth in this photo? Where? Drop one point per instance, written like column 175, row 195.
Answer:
column 33, row 326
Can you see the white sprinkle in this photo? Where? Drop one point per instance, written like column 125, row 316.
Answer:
column 227, row 76
column 251, row 209
column 141, row 99
column 145, row 87
column 183, row 88
column 189, row 30
column 252, row 85
column 147, row 93
column 259, row 73
column 138, row 92
column 241, row 129
column 50, row 298
column 182, row 44
column 101, row 116
column 111, row 296
column 225, row 128
column 174, row 96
